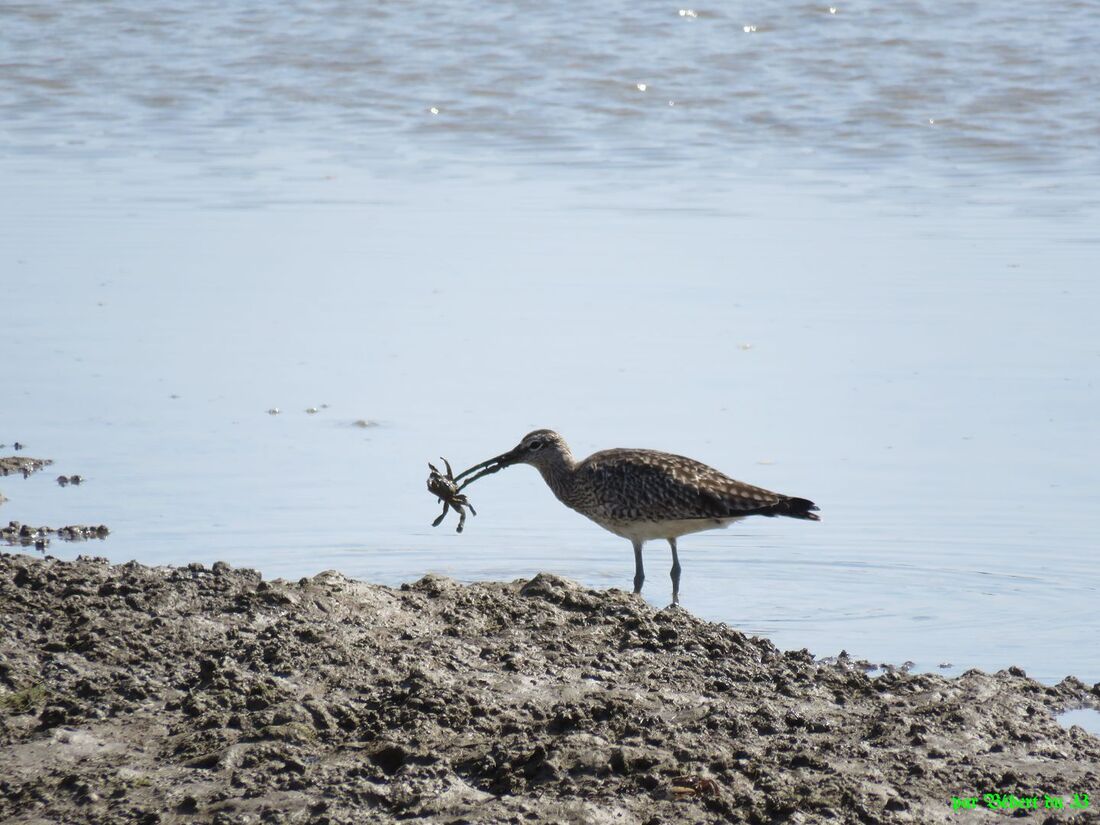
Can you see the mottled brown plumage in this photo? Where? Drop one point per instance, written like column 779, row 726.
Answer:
column 645, row 494
column 648, row 486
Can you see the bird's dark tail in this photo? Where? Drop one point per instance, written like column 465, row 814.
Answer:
column 794, row 508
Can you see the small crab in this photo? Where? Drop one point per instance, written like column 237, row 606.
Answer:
column 687, row 785
column 444, row 488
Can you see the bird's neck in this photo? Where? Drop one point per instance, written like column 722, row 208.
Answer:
column 559, row 477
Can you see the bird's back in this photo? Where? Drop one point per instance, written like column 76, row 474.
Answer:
column 630, row 485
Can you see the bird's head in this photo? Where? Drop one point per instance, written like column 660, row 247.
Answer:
column 540, row 448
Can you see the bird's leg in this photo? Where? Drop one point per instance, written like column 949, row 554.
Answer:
column 675, row 572
column 439, row 520
column 639, row 570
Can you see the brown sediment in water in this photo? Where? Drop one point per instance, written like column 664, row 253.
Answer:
column 25, row 534
column 22, row 465
column 192, row 694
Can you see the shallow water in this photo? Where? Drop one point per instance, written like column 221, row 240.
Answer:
column 1085, row 718
column 855, row 262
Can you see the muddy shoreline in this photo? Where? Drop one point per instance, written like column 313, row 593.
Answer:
column 192, row 694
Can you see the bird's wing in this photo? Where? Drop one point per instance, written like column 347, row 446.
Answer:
column 655, row 486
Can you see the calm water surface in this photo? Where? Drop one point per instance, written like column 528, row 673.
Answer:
column 847, row 255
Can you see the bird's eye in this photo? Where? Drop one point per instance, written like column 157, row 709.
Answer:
column 534, row 445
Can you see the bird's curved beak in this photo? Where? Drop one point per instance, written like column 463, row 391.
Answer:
column 491, row 466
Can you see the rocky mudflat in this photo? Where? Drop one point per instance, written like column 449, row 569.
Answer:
column 193, row 694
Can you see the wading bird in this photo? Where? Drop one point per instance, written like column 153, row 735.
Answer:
column 643, row 494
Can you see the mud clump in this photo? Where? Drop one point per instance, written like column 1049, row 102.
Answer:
column 26, row 535
column 24, row 465
column 195, row 694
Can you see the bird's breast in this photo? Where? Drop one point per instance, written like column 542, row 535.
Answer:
column 638, row 530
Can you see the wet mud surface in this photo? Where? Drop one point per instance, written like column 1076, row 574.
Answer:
column 21, row 465
column 27, row 535
column 192, row 694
